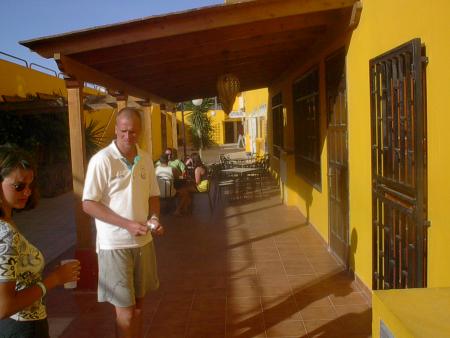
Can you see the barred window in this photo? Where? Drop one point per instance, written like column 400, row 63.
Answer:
column 307, row 127
column 277, row 115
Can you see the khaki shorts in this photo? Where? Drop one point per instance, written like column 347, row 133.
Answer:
column 126, row 274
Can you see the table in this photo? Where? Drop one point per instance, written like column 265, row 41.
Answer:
column 241, row 171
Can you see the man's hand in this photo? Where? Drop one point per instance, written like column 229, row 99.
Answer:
column 155, row 226
column 136, row 228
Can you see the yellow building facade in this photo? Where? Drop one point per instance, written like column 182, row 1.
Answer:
column 383, row 26
column 249, row 109
column 19, row 81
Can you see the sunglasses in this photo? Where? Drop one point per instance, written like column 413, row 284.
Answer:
column 19, row 186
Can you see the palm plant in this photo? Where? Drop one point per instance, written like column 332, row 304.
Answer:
column 93, row 134
column 201, row 128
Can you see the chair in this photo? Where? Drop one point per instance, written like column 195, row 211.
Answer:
column 208, row 192
column 167, row 193
column 222, row 182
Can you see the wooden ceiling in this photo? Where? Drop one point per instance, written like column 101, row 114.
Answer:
column 178, row 57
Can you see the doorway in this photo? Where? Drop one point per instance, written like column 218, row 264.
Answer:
column 338, row 210
column 399, row 179
column 230, row 132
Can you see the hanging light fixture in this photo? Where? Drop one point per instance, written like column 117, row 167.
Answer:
column 227, row 87
column 197, row 102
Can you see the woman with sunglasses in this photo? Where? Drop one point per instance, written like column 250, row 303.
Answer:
column 22, row 287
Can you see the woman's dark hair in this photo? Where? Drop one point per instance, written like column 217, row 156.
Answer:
column 164, row 159
column 12, row 158
column 196, row 160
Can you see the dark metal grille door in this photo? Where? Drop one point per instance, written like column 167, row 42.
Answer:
column 336, row 92
column 398, row 124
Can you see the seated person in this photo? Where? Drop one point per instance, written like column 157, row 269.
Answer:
column 174, row 162
column 199, row 183
column 165, row 177
column 188, row 162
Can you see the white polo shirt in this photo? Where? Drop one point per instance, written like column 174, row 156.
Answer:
column 126, row 191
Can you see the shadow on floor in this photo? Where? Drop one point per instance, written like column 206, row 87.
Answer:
column 252, row 268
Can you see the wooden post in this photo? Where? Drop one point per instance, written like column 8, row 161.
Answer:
column 183, row 130
column 174, row 129
column 121, row 101
column 85, row 251
column 162, row 108
column 78, row 157
column 147, row 127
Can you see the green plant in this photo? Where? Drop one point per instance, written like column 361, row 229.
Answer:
column 46, row 137
column 93, row 134
column 201, row 128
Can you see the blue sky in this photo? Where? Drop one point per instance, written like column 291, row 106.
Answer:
column 29, row 19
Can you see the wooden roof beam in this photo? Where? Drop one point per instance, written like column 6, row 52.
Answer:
column 234, row 35
column 84, row 73
column 179, row 23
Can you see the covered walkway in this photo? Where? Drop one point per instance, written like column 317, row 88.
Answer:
column 254, row 268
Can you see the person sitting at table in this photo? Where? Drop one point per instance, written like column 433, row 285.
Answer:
column 198, row 183
column 174, row 162
column 165, row 175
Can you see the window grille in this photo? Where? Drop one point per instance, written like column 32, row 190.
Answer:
column 277, row 115
column 307, row 127
column 398, row 128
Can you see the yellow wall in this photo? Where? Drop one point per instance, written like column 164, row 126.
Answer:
column 398, row 22
column 217, row 123
column 217, row 119
column 313, row 203
column 21, row 81
column 384, row 25
column 254, row 98
column 428, row 317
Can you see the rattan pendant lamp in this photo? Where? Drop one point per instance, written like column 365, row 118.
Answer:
column 228, row 87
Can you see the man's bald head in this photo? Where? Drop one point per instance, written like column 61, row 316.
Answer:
column 129, row 113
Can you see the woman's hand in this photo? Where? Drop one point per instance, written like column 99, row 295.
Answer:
column 69, row 272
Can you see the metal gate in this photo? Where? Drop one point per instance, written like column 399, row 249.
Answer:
column 336, row 92
column 399, row 187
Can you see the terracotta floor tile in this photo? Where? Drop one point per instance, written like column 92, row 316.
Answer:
column 308, row 300
column 280, row 308
column 252, row 268
column 287, row 328
column 318, row 313
column 300, row 282
column 323, row 328
column 206, row 330
column 244, row 291
column 274, row 289
column 252, row 327
column 166, row 332
column 354, row 308
column 349, row 299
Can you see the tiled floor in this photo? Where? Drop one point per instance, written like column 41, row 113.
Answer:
column 253, row 268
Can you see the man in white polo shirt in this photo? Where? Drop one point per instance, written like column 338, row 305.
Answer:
column 122, row 194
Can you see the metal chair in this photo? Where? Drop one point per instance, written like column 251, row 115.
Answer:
column 167, row 193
